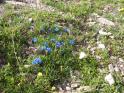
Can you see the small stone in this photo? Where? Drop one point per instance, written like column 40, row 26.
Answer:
column 121, row 60
column 105, row 21
column 121, row 66
column 98, row 57
column 111, row 69
column 30, row 19
column 75, row 85
column 101, row 46
column 109, row 78
column 68, row 88
column 116, row 68
column 53, row 88
column 82, row 55
column 83, row 89
column 101, row 32
column 112, row 37
column 113, row 57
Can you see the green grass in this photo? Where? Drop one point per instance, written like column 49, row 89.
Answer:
column 15, row 35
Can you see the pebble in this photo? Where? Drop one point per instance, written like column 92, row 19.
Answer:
column 101, row 32
column 75, row 85
column 30, row 19
column 116, row 68
column 83, row 89
column 101, row 46
column 111, row 69
column 68, row 88
column 109, row 78
column 121, row 60
column 82, row 55
column 105, row 21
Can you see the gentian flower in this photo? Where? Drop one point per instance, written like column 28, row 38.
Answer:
column 48, row 49
column 37, row 61
column 34, row 40
column 72, row 42
column 59, row 44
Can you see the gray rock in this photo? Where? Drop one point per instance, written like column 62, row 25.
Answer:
column 75, row 85
column 111, row 68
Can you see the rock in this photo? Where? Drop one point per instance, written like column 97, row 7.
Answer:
column 121, row 60
column 101, row 32
column 30, row 19
column 104, row 21
column 116, row 68
column 112, row 37
column 75, row 85
column 101, row 20
column 53, row 88
column 83, row 89
column 68, row 88
column 98, row 57
column 109, row 78
column 111, row 69
column 101, row 46
column 82, row 55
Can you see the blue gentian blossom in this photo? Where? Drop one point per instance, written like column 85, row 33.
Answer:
column 34, row 40
column 59, row 44
column 72, row 42
column 37, row 61
column 48, row 49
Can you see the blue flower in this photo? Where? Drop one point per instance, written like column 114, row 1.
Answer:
column 72, row 42
column 48, row 49
column 34, row 40
column 59, row 44
column 37, row 61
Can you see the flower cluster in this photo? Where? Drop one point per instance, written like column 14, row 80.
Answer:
column 50, row 43
column 37, row 61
